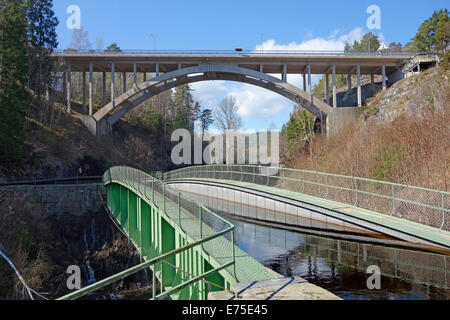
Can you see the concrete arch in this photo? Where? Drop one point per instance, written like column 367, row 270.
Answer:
column 113, row 111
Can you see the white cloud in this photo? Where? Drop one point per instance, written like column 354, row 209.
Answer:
column 260, row 103
column 206, row 92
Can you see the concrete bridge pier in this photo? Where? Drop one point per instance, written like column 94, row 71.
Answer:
column 69, row 89
column 113, row 85
column 96, row 128
column 334, row 87
column 84, row 91
column 104, row 88
column 358, row 80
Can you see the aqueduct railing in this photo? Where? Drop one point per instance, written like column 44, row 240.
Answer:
column 425, row 206
column 211, row 234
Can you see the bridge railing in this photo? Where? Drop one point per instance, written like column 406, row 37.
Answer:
column 425, row 206
column 145, row 265
column 239, row 52
column 213, row 234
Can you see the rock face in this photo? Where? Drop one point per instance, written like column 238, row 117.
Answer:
column 61, row 199
column 94, row 244
column 350, row 98
column 414, row 95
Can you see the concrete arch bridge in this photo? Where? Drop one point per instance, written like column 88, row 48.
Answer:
column 171, row 69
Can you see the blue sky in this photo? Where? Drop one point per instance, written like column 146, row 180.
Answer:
column 248, row 24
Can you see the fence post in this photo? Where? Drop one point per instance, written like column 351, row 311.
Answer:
column 393, row 200
column 179, row 208
column 164, row 196
column 443, row 211
column 303, row 181
column 201, row 224
column 254, row 174
column 234, row 253
column 153, row 282
column 153, row 189
column 356, row 191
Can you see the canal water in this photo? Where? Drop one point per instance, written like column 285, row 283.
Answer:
column 340, row 266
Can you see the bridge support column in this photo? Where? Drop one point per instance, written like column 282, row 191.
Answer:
column 124, row 82
column 104, row 88
column 157, row 70
column 91, row 95
column 383, row 75
column 113, row 87
column 309, row 82
column 135, row 74
column 64, row 83
column 144, row 76
column 358, row 76
column 349, row 81
column 304, row 82
column 284, row 75
column 69, row 88
column 372, row 79
column 84, row 91
column 327, row 88
column 334, row 87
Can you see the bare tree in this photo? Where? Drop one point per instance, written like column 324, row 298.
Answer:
column 99, row 43
column 226, row 115
column 80, row 40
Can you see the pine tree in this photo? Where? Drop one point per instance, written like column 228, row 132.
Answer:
column 369, row 43
column 113, row 48
column 13, row 78
column 42, row 40
column 428, row 36
column 207, row 119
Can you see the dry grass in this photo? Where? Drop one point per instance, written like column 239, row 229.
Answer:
column 23, row 232
column 411, row 147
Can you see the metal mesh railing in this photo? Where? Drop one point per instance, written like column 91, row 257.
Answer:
column 209, row 231
column 194, row 219
column 425, row 206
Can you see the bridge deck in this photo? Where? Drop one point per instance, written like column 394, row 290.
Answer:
column 273, row 63
column 439, row 237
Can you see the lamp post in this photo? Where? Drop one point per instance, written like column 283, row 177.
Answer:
column 262, row 42
column 154, row 40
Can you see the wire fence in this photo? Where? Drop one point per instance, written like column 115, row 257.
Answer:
column 425, row 206
column 194, row 219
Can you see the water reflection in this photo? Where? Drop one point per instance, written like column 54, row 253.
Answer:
column 340, row 265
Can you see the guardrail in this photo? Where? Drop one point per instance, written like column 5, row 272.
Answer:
column 425, row 206
column 241, row 52
column 214, row 234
